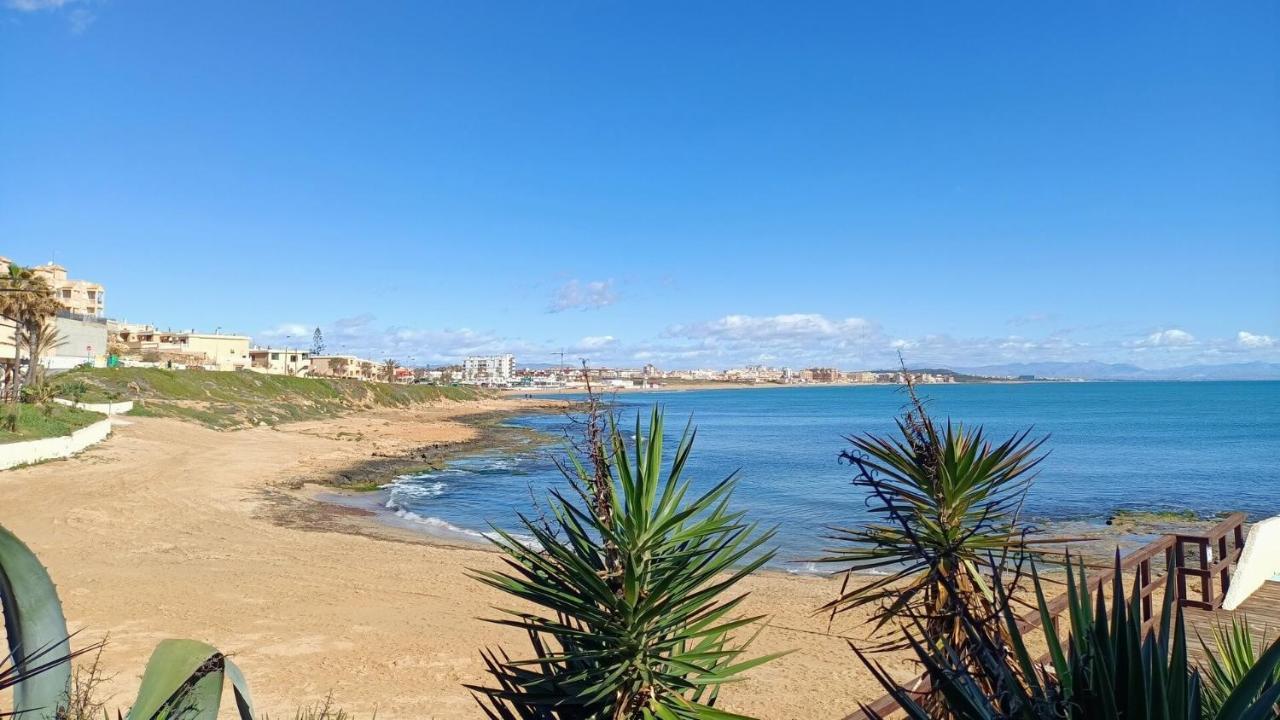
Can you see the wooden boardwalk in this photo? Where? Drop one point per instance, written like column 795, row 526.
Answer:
column 1262, row 609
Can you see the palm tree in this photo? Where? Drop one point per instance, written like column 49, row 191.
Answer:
column 945, row 509
column 631, row 579
column 41, row 338
column 389, row 370
column 27, row 300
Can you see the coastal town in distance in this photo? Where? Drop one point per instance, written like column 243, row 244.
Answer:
column 90, row 336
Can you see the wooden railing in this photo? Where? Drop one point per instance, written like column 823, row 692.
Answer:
column 1212, row 544
column 1223, row 541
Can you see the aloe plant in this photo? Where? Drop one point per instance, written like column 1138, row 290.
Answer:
column 183, row 678
column 628, row 577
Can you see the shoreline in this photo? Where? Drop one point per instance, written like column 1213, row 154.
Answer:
column 171, row 529
column 372, row 500
column 489, row 434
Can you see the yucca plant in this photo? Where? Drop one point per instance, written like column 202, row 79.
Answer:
column 1229, row 661
column 183, row 678
column 944, row 504
column 1106, row 668
column 634, row 585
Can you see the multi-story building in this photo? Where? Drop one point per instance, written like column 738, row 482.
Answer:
column 343, row 366
column 825, row 375
column 280, row 361
column 214, row 350
column 489, row 369
column 81, row 297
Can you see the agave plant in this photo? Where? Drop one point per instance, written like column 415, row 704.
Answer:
column 1106, row 668
column 183, row 678
column 630, row 576
column 1229, row 662
column 944, row 505
column 38, row 664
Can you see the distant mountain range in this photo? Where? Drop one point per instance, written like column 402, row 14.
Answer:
column 1122, row 371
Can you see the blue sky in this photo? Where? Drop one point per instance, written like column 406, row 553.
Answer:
column 696, row 184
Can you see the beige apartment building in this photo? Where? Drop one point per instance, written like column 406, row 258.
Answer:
column 280, row 361
column 214, row 350
column 343, row 366
column 81, row 297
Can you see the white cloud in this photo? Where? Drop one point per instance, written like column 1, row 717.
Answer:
column 285, row 330
column 794, row 339
column 797, row 340
column 777, row 328
column 80, row 20
column 36, row 5
column 577, row 295
column 1172, row 338
column 1247, row 339
column 1029, row 319
column 78, row 16
column 597, row 342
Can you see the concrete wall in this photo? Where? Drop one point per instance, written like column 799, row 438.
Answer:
column 84, row 341
column 115, row 408
column 22, row 453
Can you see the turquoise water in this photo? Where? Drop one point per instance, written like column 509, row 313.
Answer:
column 1207, row 447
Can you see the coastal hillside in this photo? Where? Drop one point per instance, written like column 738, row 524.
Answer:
column 229, row 400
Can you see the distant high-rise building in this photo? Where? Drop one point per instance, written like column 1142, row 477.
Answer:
column 489, row 368
column 825, row 375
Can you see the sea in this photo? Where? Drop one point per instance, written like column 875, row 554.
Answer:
column 1204, row 447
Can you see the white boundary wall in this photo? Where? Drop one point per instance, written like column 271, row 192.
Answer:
column 115, row 408
column 22, row 453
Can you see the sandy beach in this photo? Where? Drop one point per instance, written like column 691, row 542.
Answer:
column 170, row 529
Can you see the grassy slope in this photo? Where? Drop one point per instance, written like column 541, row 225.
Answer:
column 238, row 399
column 33, row 425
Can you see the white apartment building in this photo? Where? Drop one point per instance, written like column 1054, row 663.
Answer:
column 496, row 369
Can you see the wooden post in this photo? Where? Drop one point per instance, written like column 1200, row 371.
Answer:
column 1143, row 580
